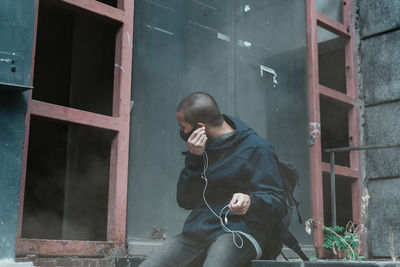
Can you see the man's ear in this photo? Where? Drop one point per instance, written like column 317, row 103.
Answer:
column 200, row 124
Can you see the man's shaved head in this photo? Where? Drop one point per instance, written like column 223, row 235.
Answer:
column 200, row 107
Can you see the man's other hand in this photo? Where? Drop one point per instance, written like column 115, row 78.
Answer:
column 239, row 204
column 197, row 141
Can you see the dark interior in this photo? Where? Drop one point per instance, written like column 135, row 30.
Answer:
column 66, row 191
column 334, row 130
column 113, row 3
column 74, row 63
column 68, row 165
column 331, row 64
column 344, row 209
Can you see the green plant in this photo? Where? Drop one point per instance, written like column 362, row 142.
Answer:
column 344, row 242
column 341, row 241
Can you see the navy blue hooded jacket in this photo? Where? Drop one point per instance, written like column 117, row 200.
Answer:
column 241, row 162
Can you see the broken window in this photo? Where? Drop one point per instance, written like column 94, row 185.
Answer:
column 66, row 191
column 251, row 58
column 113, row 3
column 334, row 130
column 344, row 202
column 331, row 60
column 333, row 9
column 74, row 63
column 68, row 165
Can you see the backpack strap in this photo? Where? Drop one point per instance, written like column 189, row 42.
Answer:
column 291, row 242
column 297, row 210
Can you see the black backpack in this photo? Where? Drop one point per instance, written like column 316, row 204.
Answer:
column 279, row 234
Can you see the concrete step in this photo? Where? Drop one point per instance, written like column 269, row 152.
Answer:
column 325, row 263
column 134, row 261
column 116, row 261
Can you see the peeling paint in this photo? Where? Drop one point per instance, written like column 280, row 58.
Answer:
column 206, row 5
column 223, row 37
column 246, row 44
column 159, row 29
column 315, row 128
column 120, row 67
column 129, row 39
column 11, row 262
column 271, row 71
column 8, row 60
column 162, row 6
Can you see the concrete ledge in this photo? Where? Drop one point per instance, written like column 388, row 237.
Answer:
column 132, row 261
column 112, row 261
column 380, row 70
column 378, row 16
column 382, row 127
column 259, row 263
column 326, row 263
column 12, row 263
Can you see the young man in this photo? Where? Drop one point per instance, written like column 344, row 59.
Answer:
column 232, row 186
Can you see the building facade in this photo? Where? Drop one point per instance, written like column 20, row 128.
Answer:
column 90, row 155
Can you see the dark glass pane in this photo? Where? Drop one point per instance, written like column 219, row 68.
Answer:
column 331, row 8
column 331, row 60
column 334, row 130
column 249, row 55
column 67, row 177
column 74, row 63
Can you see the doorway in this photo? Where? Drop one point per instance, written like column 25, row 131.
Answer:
column 250, row 56
column 74, row 174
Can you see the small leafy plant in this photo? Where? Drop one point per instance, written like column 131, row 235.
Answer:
column 344, row 242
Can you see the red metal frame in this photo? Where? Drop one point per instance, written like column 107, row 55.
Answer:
column 347, row 101
column 119, row 122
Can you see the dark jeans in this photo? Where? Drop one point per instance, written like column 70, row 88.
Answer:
column 180, row 250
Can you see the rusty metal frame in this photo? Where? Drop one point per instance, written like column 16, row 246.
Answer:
column 118, row 122
column 347, row 100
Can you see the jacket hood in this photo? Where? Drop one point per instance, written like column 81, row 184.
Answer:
column 241, row 132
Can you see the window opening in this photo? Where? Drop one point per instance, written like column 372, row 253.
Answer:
column 113, row 3
column 235, row 53
column 66, row 190
column 331, row 60
column 74, row 64
column 333, row 9
column 344, row 208
column 334, row 130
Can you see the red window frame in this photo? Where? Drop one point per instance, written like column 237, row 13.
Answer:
column 118, row 122
column 348, row 33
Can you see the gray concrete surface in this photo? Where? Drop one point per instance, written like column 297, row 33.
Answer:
column 384, row 213
column 379, row 57
column 12, row 263
column 382, row 126
column 330, row 263
column 380, row 67
column 12, row 133
column 378, row 16
column 16, row 24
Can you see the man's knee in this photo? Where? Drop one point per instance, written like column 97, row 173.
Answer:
column 176, row 251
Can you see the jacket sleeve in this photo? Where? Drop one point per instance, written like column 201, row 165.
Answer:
column 190, row 185
column 267, row 197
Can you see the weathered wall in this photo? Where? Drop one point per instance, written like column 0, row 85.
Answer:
column 379, row 55
column 16, row 35
column 12, row 132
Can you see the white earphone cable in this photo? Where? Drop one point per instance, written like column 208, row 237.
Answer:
column 222, row 221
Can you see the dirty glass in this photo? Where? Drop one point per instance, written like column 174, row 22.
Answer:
column 331, row 8
column 250, row 55
column 331, row 60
